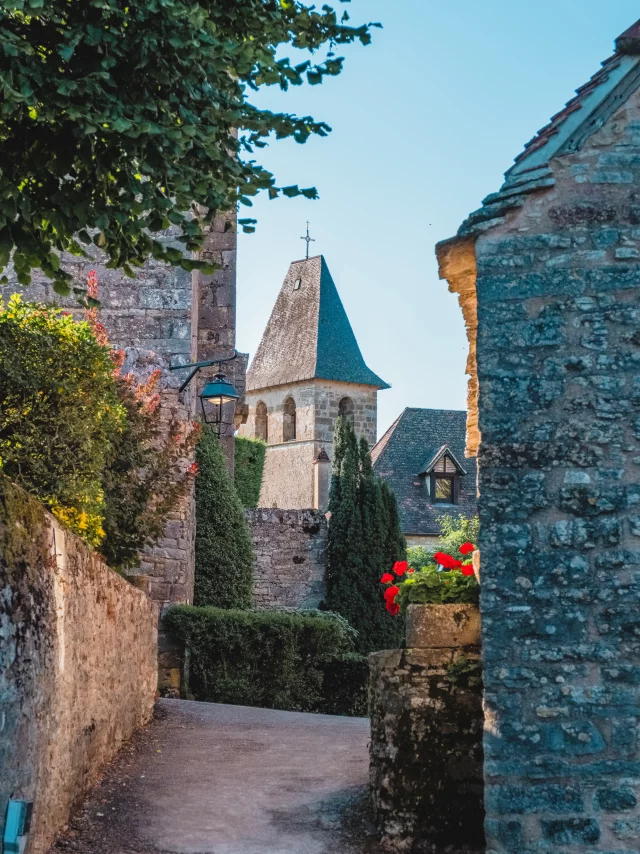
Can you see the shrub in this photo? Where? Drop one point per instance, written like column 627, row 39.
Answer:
column 83, row 438
column 60, row 413
column 249, row 465
column 364, row 539
column 272, row 659
column 224, row 549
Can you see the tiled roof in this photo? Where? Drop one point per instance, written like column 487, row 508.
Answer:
column 308, row 335
column 592, row 105
column 400, row 456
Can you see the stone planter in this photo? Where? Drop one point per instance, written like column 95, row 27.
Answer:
column 442, row 626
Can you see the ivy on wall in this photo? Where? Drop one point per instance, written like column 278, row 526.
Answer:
column 249, row 466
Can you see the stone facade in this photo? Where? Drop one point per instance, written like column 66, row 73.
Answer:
column 78, row 670
column 290, row 547
column 426, row 750
column 288, row 479
column 551, row 279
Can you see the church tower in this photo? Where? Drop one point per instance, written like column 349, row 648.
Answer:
column 307, row 371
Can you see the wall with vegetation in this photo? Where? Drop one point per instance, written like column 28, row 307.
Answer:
column 78, row 670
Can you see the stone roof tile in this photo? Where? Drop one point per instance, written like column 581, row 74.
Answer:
column 308, row 335
column 399, row 457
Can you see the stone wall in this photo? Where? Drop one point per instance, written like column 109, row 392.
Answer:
column 290, row 548
column 558, row 355
column 78, row 669
column 426, row 750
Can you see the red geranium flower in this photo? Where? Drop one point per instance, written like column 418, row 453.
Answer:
column 467, row 569
column 391, row 592
column 409, row 571
column 387, row 578
column 467, row 548
column 400, row 567
column 447, row 561
column 393, row 609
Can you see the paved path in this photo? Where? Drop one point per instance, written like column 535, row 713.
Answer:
column 214, row 779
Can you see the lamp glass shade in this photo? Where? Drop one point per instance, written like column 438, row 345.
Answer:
column 219, row 390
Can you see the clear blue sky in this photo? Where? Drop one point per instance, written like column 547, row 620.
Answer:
column 425, row 122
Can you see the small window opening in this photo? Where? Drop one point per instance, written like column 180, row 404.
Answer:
column 262, row 422
column 289, row 420
column 297, row 284
column 346, row 411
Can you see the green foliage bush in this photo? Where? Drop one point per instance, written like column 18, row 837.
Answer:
column 224, row 549
column 60, row 413
column 454, row 531
column 86, row 440
column 273, row 659
column 249, row 466
column 428, row 586
column 364, row 542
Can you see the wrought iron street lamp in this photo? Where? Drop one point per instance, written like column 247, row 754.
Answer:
column 219, row 396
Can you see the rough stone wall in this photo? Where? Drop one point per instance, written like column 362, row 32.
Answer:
column 290, row 547
column 78, row 672
column 558, row 354
column 426, row 750
column 288, row 472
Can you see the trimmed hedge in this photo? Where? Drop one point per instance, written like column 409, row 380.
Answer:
column 299, row 661
column 249, row 466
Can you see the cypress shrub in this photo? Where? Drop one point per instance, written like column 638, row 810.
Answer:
column 249, row 465
column 299, row 661
column 364, row 542
column 224, row 550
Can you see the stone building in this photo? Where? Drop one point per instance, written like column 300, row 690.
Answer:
column 422, row 458
column 307, row 371
column 548, row 277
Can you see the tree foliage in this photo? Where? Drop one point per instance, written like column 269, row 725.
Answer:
column 118, row 117
column 59, row 412
column 364, row 542
column 224, row 550
column 83, row 437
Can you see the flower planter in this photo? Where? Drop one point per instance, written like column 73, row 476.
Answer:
column 440, row 626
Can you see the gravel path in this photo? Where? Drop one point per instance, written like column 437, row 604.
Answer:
column 213, row 779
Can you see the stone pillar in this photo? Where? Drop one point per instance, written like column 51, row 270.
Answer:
column 426, row 750
column 321, row 476
column 216, row 314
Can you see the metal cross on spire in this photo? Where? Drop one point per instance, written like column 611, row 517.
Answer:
column 309, row 240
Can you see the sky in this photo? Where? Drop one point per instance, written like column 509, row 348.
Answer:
column 425, row 121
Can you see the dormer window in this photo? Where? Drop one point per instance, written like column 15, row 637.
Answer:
column 297, row 284
column 443, row 473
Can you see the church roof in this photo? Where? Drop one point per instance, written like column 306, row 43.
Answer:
column 308, row 335
column 584, row 114
column 420, row 435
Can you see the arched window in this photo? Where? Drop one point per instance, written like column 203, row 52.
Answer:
column 262, row 422
column 289, row 420
column 345, row 411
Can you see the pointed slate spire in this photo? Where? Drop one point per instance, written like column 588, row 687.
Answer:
column 309, row 335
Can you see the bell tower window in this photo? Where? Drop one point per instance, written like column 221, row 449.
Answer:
column 262, row 422
column 346, row 411
column 289, row 420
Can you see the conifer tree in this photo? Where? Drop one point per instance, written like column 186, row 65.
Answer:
column 224, row 550
column 364, row 542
